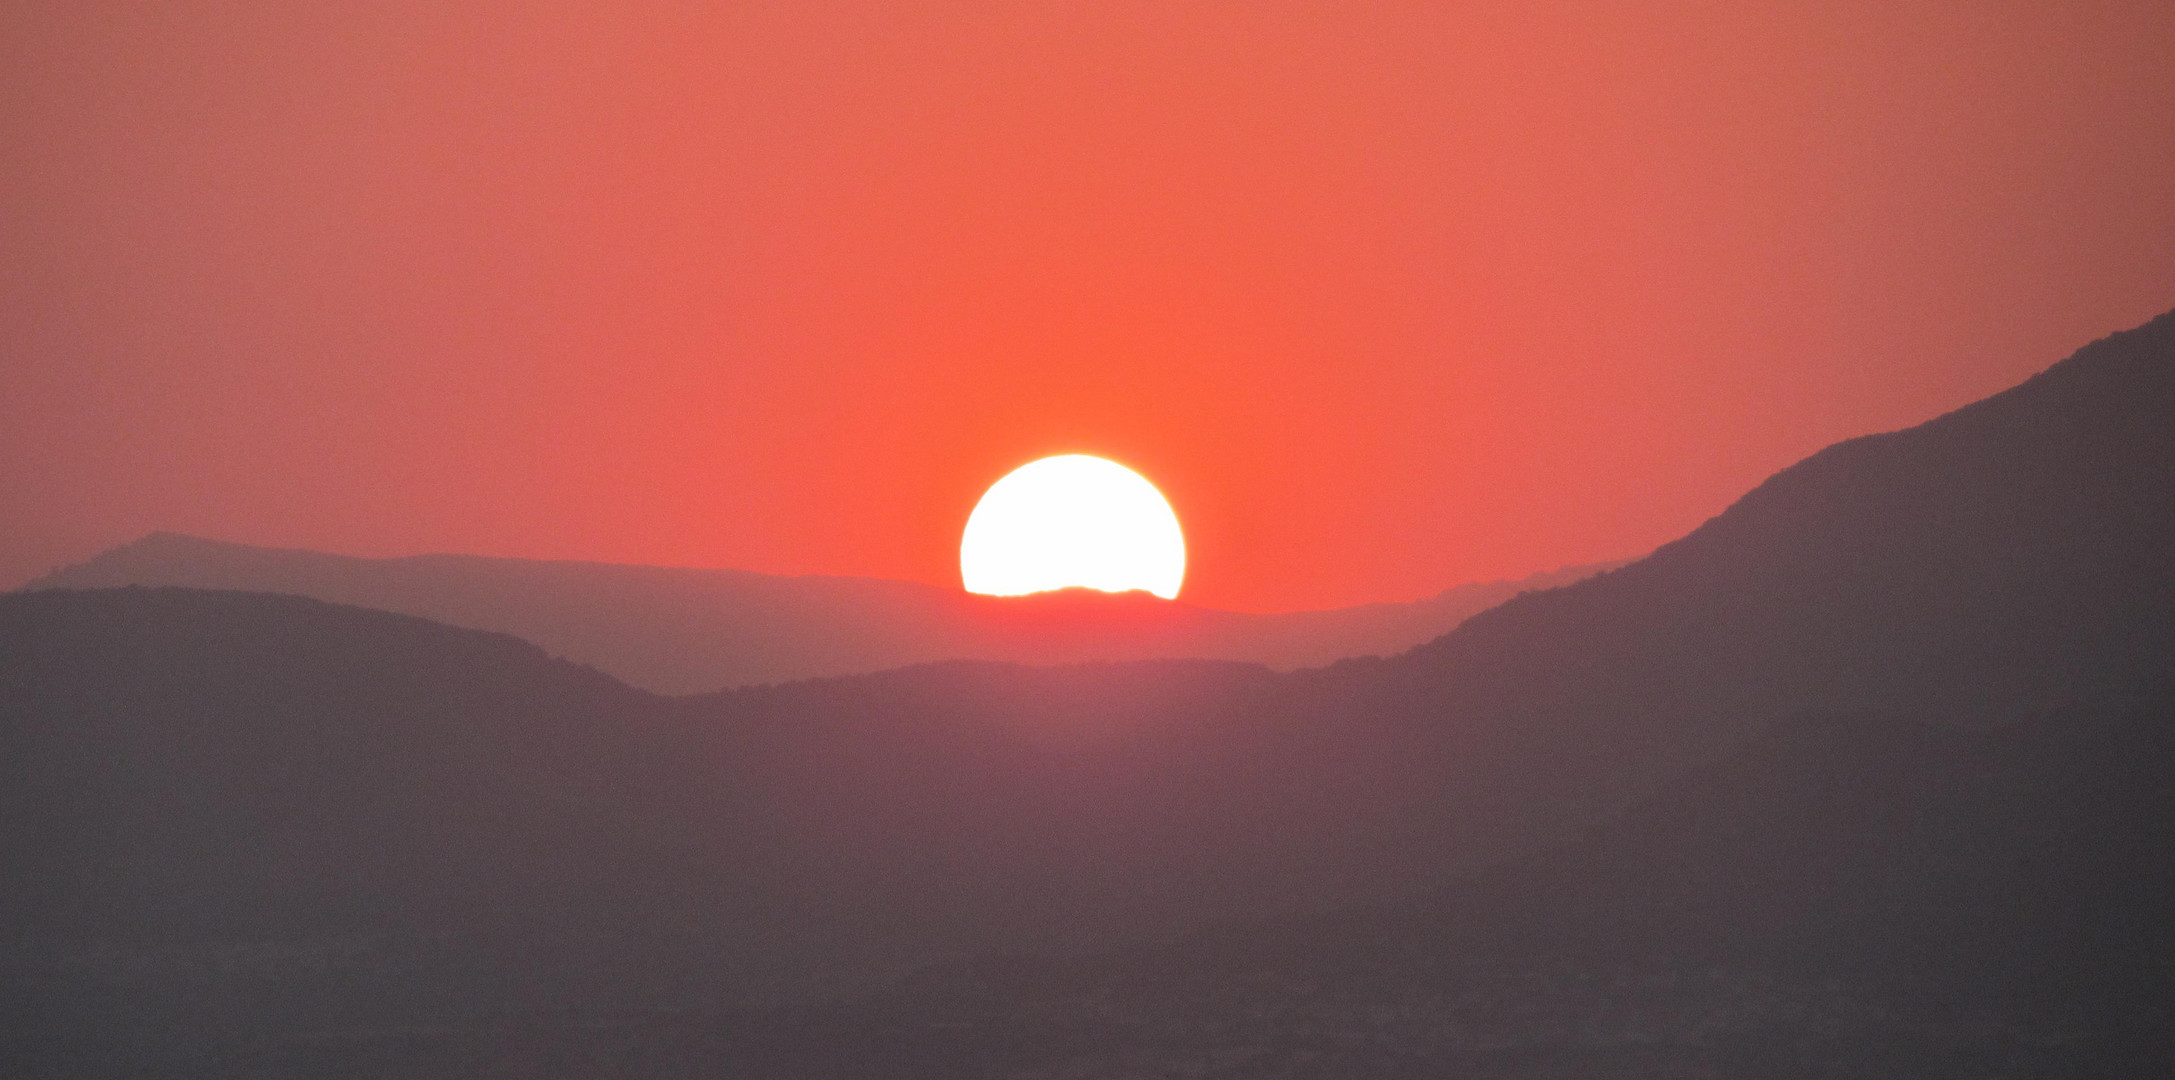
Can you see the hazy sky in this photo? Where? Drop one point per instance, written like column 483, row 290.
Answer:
column 1385, row 296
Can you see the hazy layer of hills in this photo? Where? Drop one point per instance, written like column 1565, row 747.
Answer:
column 1869, row 776
column 680, row 630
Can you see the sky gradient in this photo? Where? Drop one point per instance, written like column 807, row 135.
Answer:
column 1383, row 296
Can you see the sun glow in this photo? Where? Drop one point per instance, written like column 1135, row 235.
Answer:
column 1068, row 521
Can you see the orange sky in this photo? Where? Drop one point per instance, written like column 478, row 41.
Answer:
column 1385, row 296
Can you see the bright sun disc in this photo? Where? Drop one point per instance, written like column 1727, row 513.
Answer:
column 1070, row 521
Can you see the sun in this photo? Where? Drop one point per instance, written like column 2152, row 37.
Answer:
column 1070, row 521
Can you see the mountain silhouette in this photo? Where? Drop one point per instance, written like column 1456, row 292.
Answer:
column 1889, row 734
column 680, row 630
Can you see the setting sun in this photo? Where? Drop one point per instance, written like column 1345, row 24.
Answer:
column 1072, row 521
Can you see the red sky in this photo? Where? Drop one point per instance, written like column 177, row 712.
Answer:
column 1385, row 296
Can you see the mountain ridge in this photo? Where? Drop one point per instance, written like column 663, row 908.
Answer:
column 688, row 630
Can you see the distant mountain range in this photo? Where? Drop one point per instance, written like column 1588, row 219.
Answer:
column 1871, row 775
column 680, row 630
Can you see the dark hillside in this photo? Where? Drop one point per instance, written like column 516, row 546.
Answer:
column 202, row 786
column 242, row 808
column 1842, row 899
column 2007, row 560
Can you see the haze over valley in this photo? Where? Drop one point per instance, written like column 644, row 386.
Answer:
column 679, row 630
